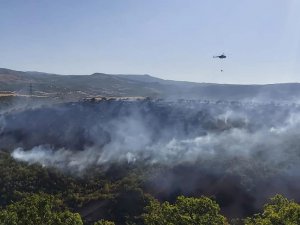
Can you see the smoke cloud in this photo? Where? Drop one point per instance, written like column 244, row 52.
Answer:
column 231, row 150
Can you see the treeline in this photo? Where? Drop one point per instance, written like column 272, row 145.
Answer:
column 37, row 209
column 33, row 195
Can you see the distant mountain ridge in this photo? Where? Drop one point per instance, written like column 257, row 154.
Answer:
column 107, row 85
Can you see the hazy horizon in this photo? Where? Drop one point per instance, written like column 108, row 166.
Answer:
column 155, row 76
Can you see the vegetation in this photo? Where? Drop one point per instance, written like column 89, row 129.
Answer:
column 38, row 209
column 33, row 195
column 279, row 211
column 104, row 222
column 187, row 211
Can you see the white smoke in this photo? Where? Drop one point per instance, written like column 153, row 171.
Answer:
column 249, row 152
column 265, row 151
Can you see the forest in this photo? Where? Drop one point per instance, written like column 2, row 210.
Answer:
column 149, row 162
column 32, row 194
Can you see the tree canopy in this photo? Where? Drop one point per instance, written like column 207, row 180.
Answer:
column 189, row 211
column 34, row 195
column 39, row 209
column 104, row 222
column 279, row 211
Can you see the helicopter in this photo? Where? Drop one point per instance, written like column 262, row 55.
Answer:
column 223, row 56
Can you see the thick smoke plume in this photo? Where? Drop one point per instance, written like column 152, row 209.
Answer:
column 241, row 153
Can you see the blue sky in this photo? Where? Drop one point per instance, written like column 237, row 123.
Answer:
column 171, row 39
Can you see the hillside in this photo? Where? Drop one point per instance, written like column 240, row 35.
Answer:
column 100, row 84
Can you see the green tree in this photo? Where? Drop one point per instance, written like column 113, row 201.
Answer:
column 38, row 209
column 104, row 222
column 279, row 211
column 185, row 211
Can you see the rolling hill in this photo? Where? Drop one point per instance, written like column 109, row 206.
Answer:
column 107, row 85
